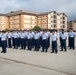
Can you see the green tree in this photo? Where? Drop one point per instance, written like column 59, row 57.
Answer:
column 36, row 28
column 6, row 30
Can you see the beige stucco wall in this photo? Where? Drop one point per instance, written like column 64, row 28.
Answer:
column 28, row 21
column 3, row 22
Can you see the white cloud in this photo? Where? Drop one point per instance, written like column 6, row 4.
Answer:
column 66, row 6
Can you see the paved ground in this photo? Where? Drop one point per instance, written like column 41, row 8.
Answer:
column 17, row 62
column 12, row 68
column 24, row 62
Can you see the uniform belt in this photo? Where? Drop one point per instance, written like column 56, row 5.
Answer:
column 44, row 39
column 3, row 40
column 53, row 41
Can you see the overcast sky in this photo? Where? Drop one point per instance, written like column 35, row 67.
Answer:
column 66, row 6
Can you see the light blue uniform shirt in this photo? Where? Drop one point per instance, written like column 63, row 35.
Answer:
column 48, row 33
column 0, row 35
column 25, row 34
column 19, row 34
column 22, row 35
column 12, row 34
column 29, row 36
column 40, row 34
column 36, row 36
column 33, row 33
column 60, row 33
column 54, row 37
column 15, row 35
column 71, row 34
column 9, row 35
column 3, row 37
column 63, row 36
column 44, row 36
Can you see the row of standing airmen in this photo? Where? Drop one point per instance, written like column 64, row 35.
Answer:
column 36, row 40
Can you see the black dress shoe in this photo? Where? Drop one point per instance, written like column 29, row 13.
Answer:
column 46, row 51
column 52, row 52
column 73, row 48
column 24, row 49
column 2, row 52
column 34, row 50
column 56, row 52
column 61, row 50
column 21, row 49
column 42, row 51
column 30, row 49
column 37, row 50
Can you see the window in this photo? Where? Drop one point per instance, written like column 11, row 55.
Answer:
column 51, row 21
column 71, row 23
column 54, row 16
column 16, row 21
column 71, row 26
column 63, row 26
column 63, row 22
column 51, row 25
column 51, row 16
column 54, row 21
column 54, row 25
column 63, row 18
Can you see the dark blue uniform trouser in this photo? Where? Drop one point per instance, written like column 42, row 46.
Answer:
column 40, row 41
column 18, row 41
column 25, row 40
column 15, row 43
column 22, row 43
column 0, row 42
column 33, row 42
column 54, row 46
column 71, row 42
column 3, row 44
column 68, row 41
column 29, row 44
column 48, row 42
column 9, row 43
column 60, row 41
column 36, row 45
column 6, row 43
column 44, row 45
column 63, row 44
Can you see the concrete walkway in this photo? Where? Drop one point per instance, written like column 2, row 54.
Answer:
column 63, row 62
